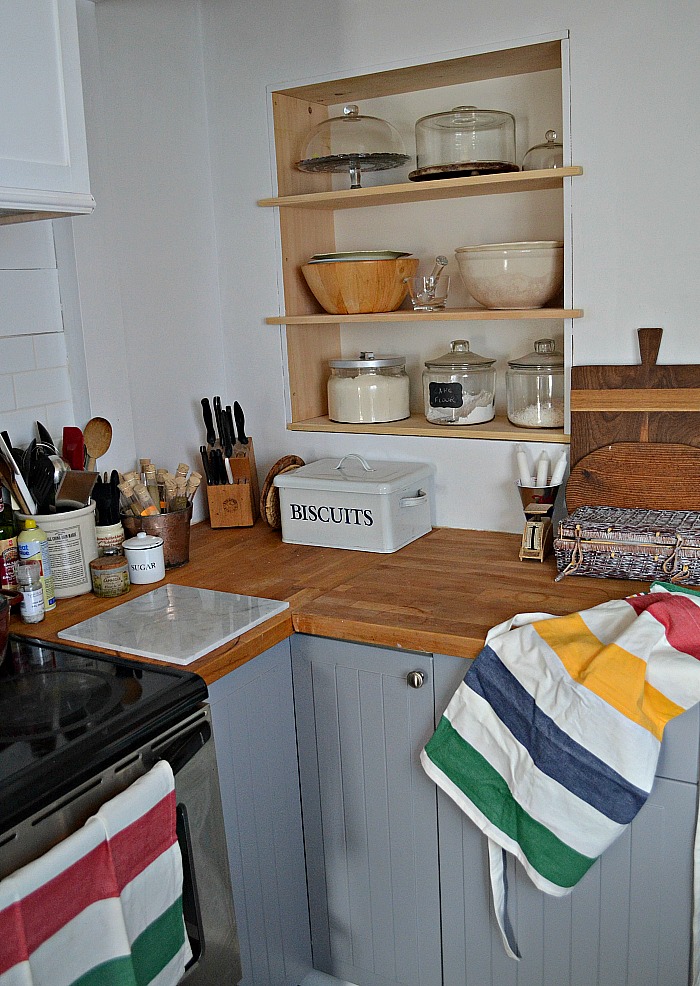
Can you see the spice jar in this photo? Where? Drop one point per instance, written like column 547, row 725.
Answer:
column 535, row 387
column 459, row 388
column 110, row 574
column 32, row 604
column 371, row 388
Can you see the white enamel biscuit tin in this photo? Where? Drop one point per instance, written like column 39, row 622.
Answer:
column 356, row 504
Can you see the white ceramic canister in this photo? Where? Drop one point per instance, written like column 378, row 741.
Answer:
column 144, row 556
column 70, row 532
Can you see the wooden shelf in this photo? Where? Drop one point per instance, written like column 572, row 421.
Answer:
column 307, row 207
column 447, row 315
column 427, row 191
column 498, row 430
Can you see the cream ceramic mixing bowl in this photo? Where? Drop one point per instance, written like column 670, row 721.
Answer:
column 520, row 275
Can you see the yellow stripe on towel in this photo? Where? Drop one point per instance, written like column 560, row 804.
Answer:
column 607, row 671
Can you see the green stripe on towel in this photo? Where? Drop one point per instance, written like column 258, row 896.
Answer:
column 157, row 945
column 116, row 972
column 487, row 790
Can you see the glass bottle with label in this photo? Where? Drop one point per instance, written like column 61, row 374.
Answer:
column 32, row 605
column 8, row 544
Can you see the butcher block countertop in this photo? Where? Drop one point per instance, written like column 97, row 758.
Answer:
column 441, row 593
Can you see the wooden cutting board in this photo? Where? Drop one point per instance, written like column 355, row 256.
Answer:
column 635, row 433
column 642, row 403
column 653, row 475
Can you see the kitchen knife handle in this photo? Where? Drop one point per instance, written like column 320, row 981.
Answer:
column 216, row 403
column 208, row 422
column 228, row 436
column 240, row 422
column 205, row 463
column 219, row 470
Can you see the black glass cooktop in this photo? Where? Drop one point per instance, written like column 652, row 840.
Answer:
column 66, row 714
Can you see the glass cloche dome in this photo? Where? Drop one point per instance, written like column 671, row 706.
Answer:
column 351, row 144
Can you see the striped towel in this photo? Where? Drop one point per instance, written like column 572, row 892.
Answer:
column 551, row 742
column 103, row 907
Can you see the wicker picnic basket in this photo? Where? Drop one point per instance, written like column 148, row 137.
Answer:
column 624, row 543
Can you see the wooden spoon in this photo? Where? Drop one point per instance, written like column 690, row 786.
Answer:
column 97, row 436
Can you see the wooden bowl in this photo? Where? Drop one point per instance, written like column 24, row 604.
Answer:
column 358, row 287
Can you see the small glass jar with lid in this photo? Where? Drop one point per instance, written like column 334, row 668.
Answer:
column 535, row 387
column 547, row 155
column 368, row 389
column 459, row 387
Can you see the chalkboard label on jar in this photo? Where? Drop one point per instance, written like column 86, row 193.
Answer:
column 445, row 394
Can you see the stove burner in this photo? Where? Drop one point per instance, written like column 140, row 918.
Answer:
column 43, row 704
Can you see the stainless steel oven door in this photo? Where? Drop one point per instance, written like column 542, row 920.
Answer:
column 207, row 899
column 207, row 896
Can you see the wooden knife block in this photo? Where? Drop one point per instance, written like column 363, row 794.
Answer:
column 236, row 504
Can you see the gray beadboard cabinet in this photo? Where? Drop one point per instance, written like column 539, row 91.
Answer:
column 370, row 825
column 253, row 720
column 398, row 877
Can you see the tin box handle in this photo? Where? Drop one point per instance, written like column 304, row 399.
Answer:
column 413, row 501
column 353, row 455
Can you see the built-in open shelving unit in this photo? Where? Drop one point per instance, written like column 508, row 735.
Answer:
column 307, row 205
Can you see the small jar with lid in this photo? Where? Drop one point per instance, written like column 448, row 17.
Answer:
column 32, row 604
column 547, row 155
column 368, row 389
column 535, row 387
column 110, row 574
column 459, row 387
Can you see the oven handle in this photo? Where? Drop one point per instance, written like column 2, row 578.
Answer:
column 183, row 749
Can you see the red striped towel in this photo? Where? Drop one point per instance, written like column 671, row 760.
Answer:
column 103, row 907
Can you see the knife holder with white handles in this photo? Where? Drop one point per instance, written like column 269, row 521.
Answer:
column 236, row 504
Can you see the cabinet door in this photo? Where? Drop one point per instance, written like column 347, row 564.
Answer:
column 369, row 811
column 42, row 126
column 628, row 920
column 253, row 718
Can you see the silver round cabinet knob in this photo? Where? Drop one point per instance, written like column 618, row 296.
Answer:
column 415, row 679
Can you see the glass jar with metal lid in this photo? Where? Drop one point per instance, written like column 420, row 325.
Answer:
column 535, row 387
column 459, row 387
column 368, row 389
column 465, row 141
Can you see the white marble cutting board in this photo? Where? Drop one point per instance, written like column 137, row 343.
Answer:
column 174, row 623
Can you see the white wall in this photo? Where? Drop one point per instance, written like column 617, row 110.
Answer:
column 35, row 380
column 178, row 267
column 634, row 80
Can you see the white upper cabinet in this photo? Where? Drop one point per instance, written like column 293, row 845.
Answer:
column 43, row 150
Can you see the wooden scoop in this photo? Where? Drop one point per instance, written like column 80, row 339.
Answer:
column 97, row 436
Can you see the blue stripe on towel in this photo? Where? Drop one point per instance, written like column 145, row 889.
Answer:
column 552, row 750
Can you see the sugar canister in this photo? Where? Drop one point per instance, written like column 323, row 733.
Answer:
column 535, row 387
column 144, row 556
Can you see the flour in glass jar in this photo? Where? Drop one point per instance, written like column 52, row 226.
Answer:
column 368, row 397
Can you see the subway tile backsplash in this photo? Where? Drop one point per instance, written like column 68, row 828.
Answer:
column 34, row 373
